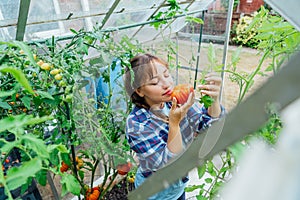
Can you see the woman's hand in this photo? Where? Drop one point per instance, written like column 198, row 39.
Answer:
column 212, row 88
column 177, row 113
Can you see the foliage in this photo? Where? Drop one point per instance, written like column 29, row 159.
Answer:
column 46, row 88
column 278, row 41
column 243, row 35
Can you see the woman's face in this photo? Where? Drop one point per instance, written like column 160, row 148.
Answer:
column 159, row 88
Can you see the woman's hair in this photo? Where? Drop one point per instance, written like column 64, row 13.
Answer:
column 141, row 70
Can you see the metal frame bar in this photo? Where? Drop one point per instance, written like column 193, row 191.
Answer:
column 109, row 13
column 22, row 19
column 198, row 52
column 226, row 43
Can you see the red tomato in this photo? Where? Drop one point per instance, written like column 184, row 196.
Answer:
column 124, row 168
column 181, row 92
column 64, row 167
column 92, row 194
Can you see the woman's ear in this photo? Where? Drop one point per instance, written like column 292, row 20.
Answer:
column 139, row 92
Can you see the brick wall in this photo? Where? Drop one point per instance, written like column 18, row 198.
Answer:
column 249, row 6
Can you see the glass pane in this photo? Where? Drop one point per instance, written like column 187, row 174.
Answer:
column 146, row 33
column 130, row 18
column 200, row 5
column 8, row 33
column 100, row 5
column 9, row 9
column 128, row 5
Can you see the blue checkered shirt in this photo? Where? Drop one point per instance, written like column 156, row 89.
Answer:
column 147, row 134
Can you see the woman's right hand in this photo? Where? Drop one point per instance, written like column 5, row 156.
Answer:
column 177, row 113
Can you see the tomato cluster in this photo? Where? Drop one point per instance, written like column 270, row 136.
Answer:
column 181, row 92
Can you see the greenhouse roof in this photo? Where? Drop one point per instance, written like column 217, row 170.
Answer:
column 37, row 20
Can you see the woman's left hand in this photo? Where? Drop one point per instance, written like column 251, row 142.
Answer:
column 212, row 86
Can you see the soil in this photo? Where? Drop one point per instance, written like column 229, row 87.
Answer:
column 119, row 191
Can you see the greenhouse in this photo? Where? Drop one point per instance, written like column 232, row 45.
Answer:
column 156, row 99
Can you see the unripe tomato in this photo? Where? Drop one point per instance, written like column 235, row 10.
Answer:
column 58, row 77
column 54, row 71
column 79, row 163
column 40, row 62
column 181, row 92
column 46, row 66
column 62, row 84
column 68, row 98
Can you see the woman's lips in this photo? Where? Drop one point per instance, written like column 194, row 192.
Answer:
column 168, row 92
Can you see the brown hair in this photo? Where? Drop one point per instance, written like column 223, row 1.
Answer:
column 142, row 69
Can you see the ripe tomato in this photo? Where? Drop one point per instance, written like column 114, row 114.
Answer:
column 124, row 168
column 64, row 167
column 92, row 194
column 181, row 92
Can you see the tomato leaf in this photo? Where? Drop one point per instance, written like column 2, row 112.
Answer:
column 70, row 184
column 19, row 76
column 207, row 101
column 17, row 176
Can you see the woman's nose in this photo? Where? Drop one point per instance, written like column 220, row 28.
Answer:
column 165, row 83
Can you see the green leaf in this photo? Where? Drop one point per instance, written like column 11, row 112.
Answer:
column 192, row 188
column 17, row 176
column 19, row 76
column 201, row 171
column 27, row 51
column 26, row 101
column 5, row 105
column 70, row 184
column 7, row 147
column 17, row 121
column 235, row 58
column 200, row 197
column 6, row 93
column 73, row 31
column 41, row 177
column 208, row 180
column 211, row 56
column 44, row 94
column 206, row 100
column 191, row 19
column 36, row 144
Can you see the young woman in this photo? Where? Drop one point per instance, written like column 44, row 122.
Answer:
column 158, row 128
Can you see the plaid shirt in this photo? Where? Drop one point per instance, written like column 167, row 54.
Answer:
column 147, row 134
